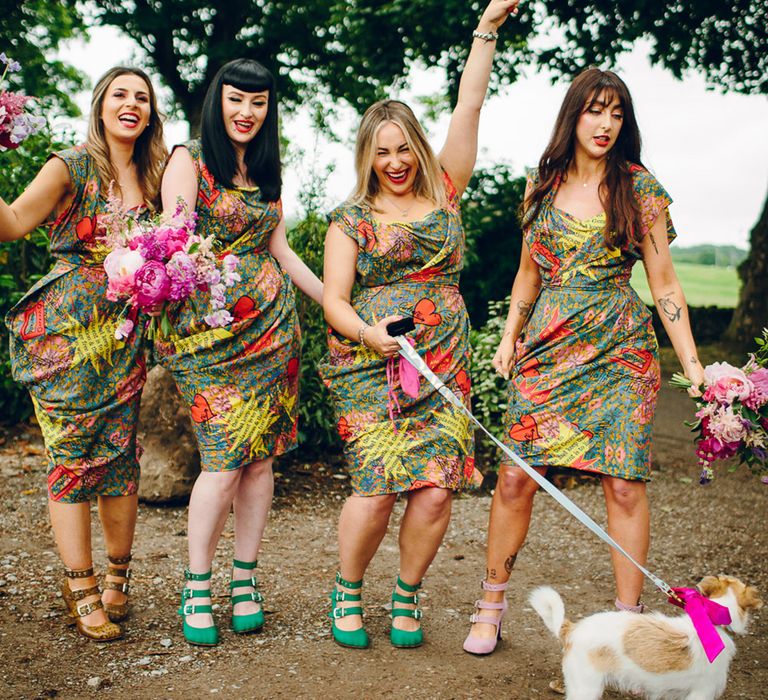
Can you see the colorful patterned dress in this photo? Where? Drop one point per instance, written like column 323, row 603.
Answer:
column 411, row 269
column 85, row 385
column 583, row 390
column 240, row 382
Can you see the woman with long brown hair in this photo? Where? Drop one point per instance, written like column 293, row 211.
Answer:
column 578, row 345
column 85, row 384
column 396, row 247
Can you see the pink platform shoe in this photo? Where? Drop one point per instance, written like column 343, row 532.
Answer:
column 485, row 645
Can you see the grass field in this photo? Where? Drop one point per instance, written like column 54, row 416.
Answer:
column 704, row 285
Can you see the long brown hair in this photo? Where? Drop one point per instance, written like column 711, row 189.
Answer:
column 149, row 152
column 428, row 182
column 622, row 212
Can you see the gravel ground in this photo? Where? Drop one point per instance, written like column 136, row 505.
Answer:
column 696, row 531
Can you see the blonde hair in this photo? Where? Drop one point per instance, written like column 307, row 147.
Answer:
column 149, row 152
column 429, row 181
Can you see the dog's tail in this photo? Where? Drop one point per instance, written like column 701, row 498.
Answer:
column 546, row 601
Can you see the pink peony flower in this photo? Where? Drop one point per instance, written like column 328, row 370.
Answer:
column 726, row 426
column 727, row 383
column 121, row 266
column 172, row 239
column 759, row 395
column 152, row 284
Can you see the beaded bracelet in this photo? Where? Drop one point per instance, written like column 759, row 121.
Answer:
column 485, row 36
column 361, row 334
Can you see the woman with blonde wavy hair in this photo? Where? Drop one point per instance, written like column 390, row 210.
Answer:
column 85, row 384
column 394, row 250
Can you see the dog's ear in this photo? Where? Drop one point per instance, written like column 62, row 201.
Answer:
column 711, row 586
column 750, row 599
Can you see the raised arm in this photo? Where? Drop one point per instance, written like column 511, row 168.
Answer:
column 51, row 186
column 669, row 298
column 339, row 265
column 460, row 149
column 179, row 181
column 301, row 275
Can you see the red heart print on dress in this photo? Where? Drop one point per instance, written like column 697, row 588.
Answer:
column 524, row 430
column 85, row 228
column 200, row 409
column 244, row 308
column 425, row 312
column 462, row 379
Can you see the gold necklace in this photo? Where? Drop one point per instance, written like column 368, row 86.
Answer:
column 403, row 212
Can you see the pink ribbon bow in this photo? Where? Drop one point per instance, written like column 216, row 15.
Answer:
column 408, row 377
column 704, row 614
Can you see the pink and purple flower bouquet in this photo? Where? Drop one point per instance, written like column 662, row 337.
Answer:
column 732, row 415
column 15, row 123
column 160, row 262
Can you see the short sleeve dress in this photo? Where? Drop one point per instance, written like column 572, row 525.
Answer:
column 394, row 442
column 583, row 390
column 239, row 382
column 85, row 384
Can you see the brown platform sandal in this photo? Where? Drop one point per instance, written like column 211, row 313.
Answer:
column 106, row 632
column 117, row 612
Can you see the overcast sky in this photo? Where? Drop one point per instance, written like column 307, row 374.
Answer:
column 709, row 150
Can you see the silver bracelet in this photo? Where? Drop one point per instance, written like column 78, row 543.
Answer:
column 485, row 36
column 361, row 334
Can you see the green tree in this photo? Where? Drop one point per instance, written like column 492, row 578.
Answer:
column 30, row 33
column 493, row 238
column 356, row 50
column 351, row 50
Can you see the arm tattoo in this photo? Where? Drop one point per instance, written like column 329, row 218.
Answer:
column 669, row 308
column 509, row 563
column 653, row 242
column 524, row 308
column 693, row 359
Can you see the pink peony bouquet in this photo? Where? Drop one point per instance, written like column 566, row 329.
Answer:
column 15, row 124
column 153, row 264
column 732, row 415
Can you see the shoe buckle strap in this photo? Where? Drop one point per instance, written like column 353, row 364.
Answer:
column 493, row 586
column 189, row 576
column 120, row 560
column 80, row 593
column 78, row 573
column 484, row 619
column 417, row 614
column 256, row 597
column 87, row 608
column 487, row 605
column 348, row 584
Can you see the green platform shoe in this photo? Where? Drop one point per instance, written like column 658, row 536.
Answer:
column 253, row 622
column 406, row 639
column 201, row 636
column 353, row 639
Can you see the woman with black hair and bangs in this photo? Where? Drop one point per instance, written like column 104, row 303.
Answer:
column 240, row 380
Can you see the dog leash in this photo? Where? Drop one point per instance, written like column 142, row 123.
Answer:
column 413, row 357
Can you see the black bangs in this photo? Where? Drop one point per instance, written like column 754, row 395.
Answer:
column 262, row 155
column 248, row 76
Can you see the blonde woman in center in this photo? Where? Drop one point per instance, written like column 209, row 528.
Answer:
column 394, row 250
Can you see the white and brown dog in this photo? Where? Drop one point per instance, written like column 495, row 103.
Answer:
column 658, row 655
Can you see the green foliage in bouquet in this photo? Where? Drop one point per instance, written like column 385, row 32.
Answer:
column 22, row 262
